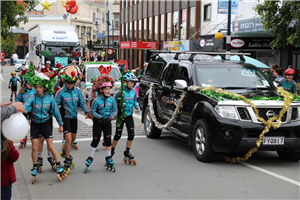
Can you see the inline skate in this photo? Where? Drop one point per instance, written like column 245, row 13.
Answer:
column 52, row 163
column 40, row 164
column 110, row 164
column 88, row 163
column 74, row 145
column 34, row 172
column 128, row 157
column 60, row 172
column 23, row 143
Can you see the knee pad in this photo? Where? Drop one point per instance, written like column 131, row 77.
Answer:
column 107, row 140
column 130, row 135
column 95, row 142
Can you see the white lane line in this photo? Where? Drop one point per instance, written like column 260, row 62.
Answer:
column 271, row 173
column 55, row 124
column 88, row 121
column 82, row 139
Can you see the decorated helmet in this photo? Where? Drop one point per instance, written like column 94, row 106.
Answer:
column 129, row 76
column 13, row 73
column 140, row 76
column 102, row 81
column 93, row 78
column 290, row 71
column 71, row 73
column 48, row 62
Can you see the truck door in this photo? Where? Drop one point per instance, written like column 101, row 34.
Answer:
column 166, row 95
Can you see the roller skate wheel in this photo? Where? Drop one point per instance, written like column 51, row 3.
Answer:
column 61, row 154
column 72, row 164
column 59, row 177
column 20, row 146
column 86, row 168
column 134, row 162
column 67, row 170
column 129, row 162
column 25, row 145
column 32, row 181
column 114, row 168
column 125, row 160
column 40, row 169
column 54, row 168
column 76, row 147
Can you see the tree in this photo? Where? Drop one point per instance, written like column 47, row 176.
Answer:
column 282, row 19
column 12, row 14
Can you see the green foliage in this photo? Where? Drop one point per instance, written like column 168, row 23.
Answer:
column 12, row 14
column 9, row 44
column 281, row 21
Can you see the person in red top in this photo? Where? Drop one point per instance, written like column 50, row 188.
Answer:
column 8, row 174
column 46, row 68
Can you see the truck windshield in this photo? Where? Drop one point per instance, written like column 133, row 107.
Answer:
column 231, row 76
column 69, row 53
column 93, row 71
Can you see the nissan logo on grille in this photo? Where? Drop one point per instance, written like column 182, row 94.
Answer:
column 270, row 113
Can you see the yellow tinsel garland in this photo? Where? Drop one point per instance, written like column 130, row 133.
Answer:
column 287, row 102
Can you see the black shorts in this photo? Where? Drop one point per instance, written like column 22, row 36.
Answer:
column 14, row 88
column 70, row 125
column 51, row 125
column 40, row 129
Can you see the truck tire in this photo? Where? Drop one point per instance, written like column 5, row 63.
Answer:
column 151, row 130
column 289, row 155
column 201, row 142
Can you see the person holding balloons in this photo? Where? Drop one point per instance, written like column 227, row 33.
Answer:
column 9, row 154
column 42, row 105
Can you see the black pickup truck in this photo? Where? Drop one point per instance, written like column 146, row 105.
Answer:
column 216, row 125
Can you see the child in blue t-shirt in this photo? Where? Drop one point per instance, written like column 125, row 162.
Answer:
column 13, row 85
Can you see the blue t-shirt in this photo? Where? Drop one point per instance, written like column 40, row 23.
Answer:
column 289, row 86
column 14, row 81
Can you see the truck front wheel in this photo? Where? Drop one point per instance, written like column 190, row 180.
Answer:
column 151, row 130
column 201, row 142
column 289, row 155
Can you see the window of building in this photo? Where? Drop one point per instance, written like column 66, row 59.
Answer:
column 162, row 27
column 192, row 21
column 183, row 24
column 155, row 28
column 175, row 25
column 150, row 27
column 145, row 29
column 207, row 12
column 94, row 17
column 169, row 26
column 116, row 20
column 140, row 30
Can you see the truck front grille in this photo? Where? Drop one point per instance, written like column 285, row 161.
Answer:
column 263, row 113
column 294, row 114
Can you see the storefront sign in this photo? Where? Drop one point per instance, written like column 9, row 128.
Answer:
column 223, row 7
column 138, row 45
column 208, row 43
column 247, row 25
column 249, row 43
column 182, row 45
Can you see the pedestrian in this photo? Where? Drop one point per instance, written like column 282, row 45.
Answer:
column 42, row 106
column 13, row 85
column 25, row 93
column 128, row 99
column 11, row 61
column 278, row 74
column 138, row 70
column 103, row 110
column 273, row 69
column 8, row 153
column 287, row 82
column 144, row 69
column 67, row 98
column 46, row 68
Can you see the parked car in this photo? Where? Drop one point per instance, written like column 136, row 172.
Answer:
column 91, row 69
column 20, row 64
column 210, row 124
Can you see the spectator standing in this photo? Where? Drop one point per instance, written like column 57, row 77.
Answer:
column 11, row 61
column 273, row 68
column 278, row 74
column 144, row 69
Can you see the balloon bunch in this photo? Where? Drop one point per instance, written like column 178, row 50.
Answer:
column 70, row 5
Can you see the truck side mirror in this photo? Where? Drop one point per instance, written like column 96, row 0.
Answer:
column 180, row 84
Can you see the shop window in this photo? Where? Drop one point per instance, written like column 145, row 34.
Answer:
column 192, row 21
column 207, row 12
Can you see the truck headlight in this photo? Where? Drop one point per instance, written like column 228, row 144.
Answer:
column 226, row 112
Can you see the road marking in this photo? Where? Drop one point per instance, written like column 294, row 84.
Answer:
column 83, row 139
column 271, row 173
column 89, row 122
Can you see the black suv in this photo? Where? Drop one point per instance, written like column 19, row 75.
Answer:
column 214, row 125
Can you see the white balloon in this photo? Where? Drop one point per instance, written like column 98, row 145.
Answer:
column 16, row 127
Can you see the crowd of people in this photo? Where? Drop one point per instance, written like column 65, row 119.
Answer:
column 37, row 102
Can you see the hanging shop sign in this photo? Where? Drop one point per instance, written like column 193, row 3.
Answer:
column 249, row 43
column 182, row 45
column 223, row 7
column 247, row 25
column 206, row 43
column 138, row 45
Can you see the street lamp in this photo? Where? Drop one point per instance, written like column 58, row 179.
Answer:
column 219, row 35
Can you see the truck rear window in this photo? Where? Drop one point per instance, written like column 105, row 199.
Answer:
column 154, row 69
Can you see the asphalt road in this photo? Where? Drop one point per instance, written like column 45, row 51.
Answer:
column 166, row 169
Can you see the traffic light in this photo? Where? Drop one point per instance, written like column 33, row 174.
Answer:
column 115, row 44
column 89, row 44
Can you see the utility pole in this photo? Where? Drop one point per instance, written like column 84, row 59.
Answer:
column 228, row 37
column 113, row 34
column 107, row 34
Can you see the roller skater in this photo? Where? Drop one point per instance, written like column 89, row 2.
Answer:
column 126, row 99
column 103, row 110
column 42, row 105
column 68, row 98
column 25, row 92
column 13, row 85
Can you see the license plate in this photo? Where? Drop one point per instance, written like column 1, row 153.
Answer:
column 273, row 141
